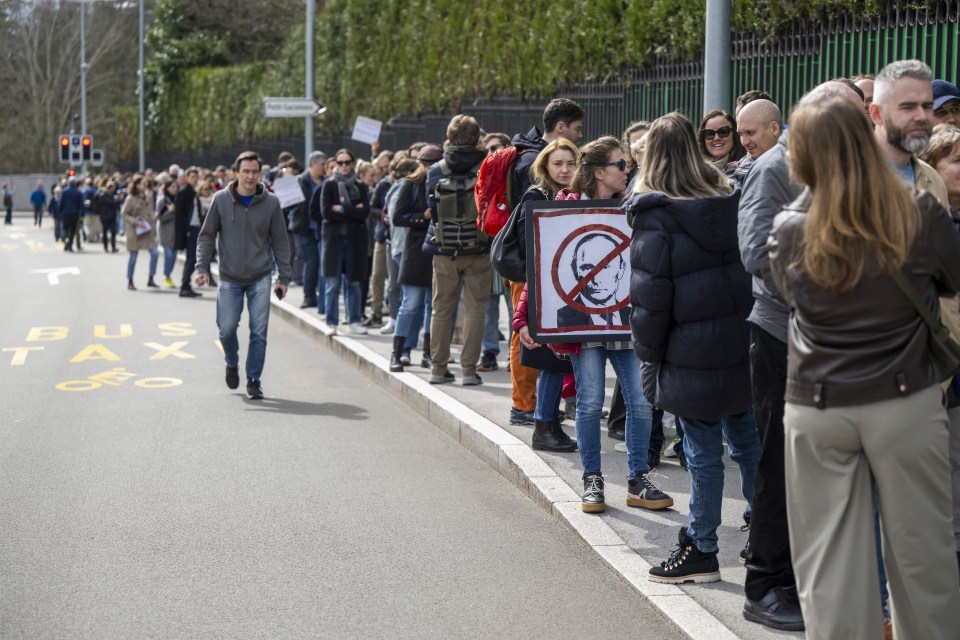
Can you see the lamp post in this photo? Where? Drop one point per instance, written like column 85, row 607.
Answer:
column 141, row 142
column 83, row 78
column 308, row 129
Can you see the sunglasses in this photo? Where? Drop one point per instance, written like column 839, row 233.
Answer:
column 344, row 163
column 723, row 132
column 622, row 165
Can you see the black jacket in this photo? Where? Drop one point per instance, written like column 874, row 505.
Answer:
column 868, row 344
column 350, row 222
column 300, row 220
column 416, row 267
column 528, row 146
column 183, row 204
column 691, row 297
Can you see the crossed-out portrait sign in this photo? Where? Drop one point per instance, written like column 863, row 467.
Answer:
column 578, row 271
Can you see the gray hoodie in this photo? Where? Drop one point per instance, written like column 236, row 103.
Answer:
column 249, row 240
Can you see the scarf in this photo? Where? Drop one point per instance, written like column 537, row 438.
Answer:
column 347, row 186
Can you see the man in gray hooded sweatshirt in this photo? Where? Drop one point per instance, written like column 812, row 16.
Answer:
column 248, row 226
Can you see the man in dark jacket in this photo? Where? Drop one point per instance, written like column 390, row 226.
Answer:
column 186, row 206
column 71, row 208
column 307, row 230
column 454, row 266
column 248, row 226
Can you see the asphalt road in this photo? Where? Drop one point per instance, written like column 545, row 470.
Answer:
column 140, row 498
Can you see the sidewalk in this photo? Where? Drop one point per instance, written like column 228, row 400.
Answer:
column 629, row 540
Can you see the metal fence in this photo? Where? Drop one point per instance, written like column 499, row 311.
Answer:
column 801, row 58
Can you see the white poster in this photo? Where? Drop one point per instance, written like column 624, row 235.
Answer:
column 578, row 264
column 288, row 190
column 367, row 130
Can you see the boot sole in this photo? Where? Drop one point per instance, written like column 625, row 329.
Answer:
column 788, row 626
column 653, row 505
column 564, row 449
column 696, row 578
column 593, row 507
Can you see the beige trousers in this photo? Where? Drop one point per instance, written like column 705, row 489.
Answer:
column 378, row 278
column 833, row 457
column 448, row 272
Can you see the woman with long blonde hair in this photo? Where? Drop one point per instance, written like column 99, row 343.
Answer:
column 691, row 297
column 864, row 410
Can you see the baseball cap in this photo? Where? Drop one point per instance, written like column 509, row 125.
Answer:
column 944, row 92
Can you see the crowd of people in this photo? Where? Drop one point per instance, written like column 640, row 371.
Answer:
column 787, row 289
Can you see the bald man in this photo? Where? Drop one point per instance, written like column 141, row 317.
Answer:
column 759, row 125
column 770, row 587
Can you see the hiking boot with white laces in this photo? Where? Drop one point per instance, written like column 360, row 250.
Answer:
column 641, row 492
column 687, row 564
column 593, row 500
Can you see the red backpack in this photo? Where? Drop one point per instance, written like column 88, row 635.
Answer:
column 492, row 191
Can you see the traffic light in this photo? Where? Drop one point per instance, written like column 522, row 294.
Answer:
column 87, row 144
column 64, row 148
column 72, row 172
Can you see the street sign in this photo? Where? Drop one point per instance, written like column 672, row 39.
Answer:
column 292, row 108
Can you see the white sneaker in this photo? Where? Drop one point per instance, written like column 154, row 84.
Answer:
column 357, row 328
column 333, row 329
column 387, row 328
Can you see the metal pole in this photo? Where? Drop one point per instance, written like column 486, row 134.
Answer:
column 83, row 80
column 141, row 143
column 308, row 128
column 716, row 57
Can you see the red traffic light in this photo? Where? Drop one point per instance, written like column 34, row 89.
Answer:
column 72, row 172
column 65, row 141
column 86, row 141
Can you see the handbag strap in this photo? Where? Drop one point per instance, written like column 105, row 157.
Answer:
column 932, row 321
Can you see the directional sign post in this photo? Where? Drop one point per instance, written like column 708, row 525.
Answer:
column 292, row 108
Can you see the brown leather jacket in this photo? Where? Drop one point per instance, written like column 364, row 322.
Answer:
column 868, row 344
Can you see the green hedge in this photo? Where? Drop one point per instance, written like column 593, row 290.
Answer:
column 383, row 58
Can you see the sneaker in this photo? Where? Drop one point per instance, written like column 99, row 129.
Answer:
column 593, row 501
column 488, row 362
column 189, row 293
column 687, row 564
column 168, row 283
column 469, row 381
column 357, row 328
column 332, row 328
column 308, row 304
column 776, row 610
column 387, row 328
column 405, row 359
column 521, row 417
column 233, row 377
column 254, row 391
column 441, row 378
column 641, row 492
column 671, row 450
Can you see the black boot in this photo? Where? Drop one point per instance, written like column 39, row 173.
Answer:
column 395, row 365
column 151, row 283
column 545, row 439
column 130, row 284
column 562, row 436
column 426, row 363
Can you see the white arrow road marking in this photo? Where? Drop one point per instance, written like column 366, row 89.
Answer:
column 14, row 236
column 53, row 275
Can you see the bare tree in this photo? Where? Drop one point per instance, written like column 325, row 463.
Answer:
column 40, row 54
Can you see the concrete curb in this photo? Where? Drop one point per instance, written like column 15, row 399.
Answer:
column 526, row 470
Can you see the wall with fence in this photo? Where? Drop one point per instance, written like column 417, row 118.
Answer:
column 801, row 58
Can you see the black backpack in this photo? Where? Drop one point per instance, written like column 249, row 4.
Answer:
column 455, row 219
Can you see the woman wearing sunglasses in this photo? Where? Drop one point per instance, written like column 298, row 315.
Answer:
column 602, row 175
column 719, row 141
column 345, row 206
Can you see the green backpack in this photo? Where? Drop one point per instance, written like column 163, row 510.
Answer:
column 455, row 220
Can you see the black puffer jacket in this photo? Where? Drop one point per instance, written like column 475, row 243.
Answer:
column 416, row 267
column 691, row 298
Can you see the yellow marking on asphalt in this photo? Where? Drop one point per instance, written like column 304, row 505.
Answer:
column 176, row 329
column 158, row 383
column 20, row 354
column 100, row 331
column 114, row 377
column 172, row 350
column 47, row 334
column 95, row 352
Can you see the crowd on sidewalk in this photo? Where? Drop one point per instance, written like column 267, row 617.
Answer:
column 792, row 296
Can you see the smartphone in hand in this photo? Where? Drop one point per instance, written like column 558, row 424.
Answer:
column 279, row 293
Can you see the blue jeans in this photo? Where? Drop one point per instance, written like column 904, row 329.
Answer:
column 229, row 310
column 169, row 259
column 549, row 388
column 132, row 262
column 415, row 305
column 490, row 342
column 703, row 446
column 589, row 369
column 332, row 290
column 309, row 250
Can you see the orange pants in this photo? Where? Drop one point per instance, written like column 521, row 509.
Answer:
column 522, row 379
